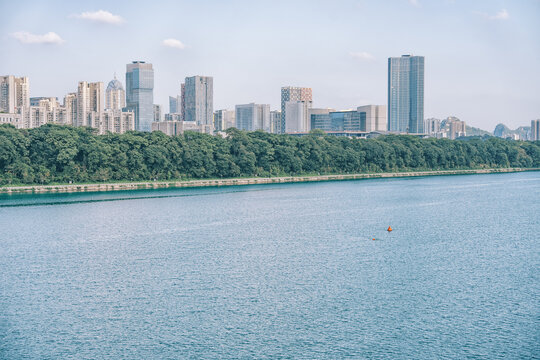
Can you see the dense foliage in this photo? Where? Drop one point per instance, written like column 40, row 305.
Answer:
column 54, row 153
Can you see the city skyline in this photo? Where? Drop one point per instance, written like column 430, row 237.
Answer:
column 469, row 73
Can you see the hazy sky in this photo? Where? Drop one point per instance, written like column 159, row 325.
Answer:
column 482, row 57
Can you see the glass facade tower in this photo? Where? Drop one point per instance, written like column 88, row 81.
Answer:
column 199, row 100
column 406, row 94
column 140, row 93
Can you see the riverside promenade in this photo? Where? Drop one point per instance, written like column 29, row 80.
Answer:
column 240, row 181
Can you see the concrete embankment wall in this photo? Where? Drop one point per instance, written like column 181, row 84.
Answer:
column 238, row 181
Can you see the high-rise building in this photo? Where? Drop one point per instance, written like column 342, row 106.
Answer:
column 455, row 127
column 22, row 93
column 36, row 101
column 157, row 113
column 173, row 104
column 7, row 94
column 224, row 119
column 406, row 94
column 140, row 93
column 14, row 93
column 115, row 121
column 70, row 103
column 46, row 110
column 275, row 121
column 432, row 126
column 182, row 103
column 375, row 117
column 115, row 96
column 294, row 95
column 199, row 100
column 171, row 117
column 535, row 130
column 251, row 117
column 89, row 100
column 296, row 117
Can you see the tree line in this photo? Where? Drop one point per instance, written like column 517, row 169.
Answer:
column 62, row 154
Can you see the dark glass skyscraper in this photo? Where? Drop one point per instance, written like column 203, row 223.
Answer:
column 140, row 93
column 406, row 94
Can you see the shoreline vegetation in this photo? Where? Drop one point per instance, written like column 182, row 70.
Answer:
column 40, row 158
column 122, row 186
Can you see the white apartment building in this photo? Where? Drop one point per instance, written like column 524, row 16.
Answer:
column 14, row 94
column 296, row 117
column 89, row 99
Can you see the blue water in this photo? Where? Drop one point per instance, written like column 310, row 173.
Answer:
column 276, row 271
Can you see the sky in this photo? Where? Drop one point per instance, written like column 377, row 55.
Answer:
column 482, row 57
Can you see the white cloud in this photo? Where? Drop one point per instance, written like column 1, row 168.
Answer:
column 415, row 3
column 100, row 16
column 173, row 43
column 362, row 55
column 28, row 38
column 501, row 15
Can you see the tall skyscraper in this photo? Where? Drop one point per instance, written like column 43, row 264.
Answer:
column 14, row 93
column 199, row 100
column 173, row 104
column 140, row 93
column 406, row 94
column 295, row 94
column 89, row 102
column 251, row 117
column 115, row 96
column 182, row 102
column 535, row 130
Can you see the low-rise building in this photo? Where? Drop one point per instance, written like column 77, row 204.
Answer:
column 375, row 116
column 173, row 128
column 13, row 119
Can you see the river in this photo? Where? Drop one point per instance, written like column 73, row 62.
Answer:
column 303, row 271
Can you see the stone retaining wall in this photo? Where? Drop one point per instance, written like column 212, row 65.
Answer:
column 238, row 181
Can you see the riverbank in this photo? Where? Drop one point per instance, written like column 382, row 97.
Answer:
column 239, row 181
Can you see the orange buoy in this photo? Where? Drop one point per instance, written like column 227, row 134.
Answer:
column 373, row 239
column 389, row 229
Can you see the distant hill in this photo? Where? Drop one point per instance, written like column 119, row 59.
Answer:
column 504, row 131
column 472, row 131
